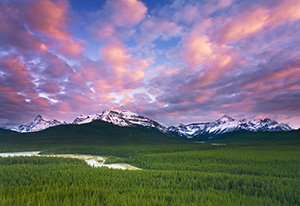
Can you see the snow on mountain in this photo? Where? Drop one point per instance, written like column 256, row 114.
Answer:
column 37, row 124
column 227, row 124
column 124, row 118
column 267, row 124
column 82, row 119
column 117, row 116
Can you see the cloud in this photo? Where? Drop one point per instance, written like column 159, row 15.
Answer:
column 210, row 60
column 197, row 49
column 127, row 72
column 13, row 31
column 38, row 26
column 126, row 12
column 154, row 28
column 103, row 30
column 189, row 61
column 19, row 97
column 72, row 48
column 258, row 19
column 48, row 17
column 116, row 16
column 50, row 88
column 190, row 11
column 15, row 73
column 254, row 75
column 34, row 78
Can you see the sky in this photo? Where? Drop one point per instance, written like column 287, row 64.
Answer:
column 174, row 61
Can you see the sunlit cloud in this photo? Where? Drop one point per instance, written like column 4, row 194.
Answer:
column 175, row 61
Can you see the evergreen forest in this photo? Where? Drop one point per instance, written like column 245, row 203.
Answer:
column 264, row 171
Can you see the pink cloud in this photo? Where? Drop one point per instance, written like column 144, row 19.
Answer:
column 10, row 96
column 116, row 15
column 154, row 28
column 197, row 49
column 283, row 76
column 38, row 25
column 127, row 72
column 36, row 31
column 55, row 67
column 49, row 18
column 126, row 100
column 103, row 86
column 167, row 71
column 18, row 93
column 115, row 55
column 42, row 102
column 16, row 73
column 50, row 87
column 258, row 19
column 46, row 62
column 13, row 32
column 245, row 25
column 72, row 48
column 211, row 60
column 64, row 108
column 224, row 3
column 103, row 31
column 287, row 11
column 126, row 12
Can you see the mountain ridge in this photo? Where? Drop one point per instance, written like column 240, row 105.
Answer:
column 227, row 124
column 38, row 124
column 122, row 117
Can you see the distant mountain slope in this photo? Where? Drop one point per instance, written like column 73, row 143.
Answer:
column 227, row 124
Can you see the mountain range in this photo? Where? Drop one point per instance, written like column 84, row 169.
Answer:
column 227, row 124
column 124, row 118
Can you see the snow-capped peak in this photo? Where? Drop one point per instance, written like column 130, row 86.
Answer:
column 37, row 124
column 225, row 118
column 123, row 117
column 38, row 118
column 83, row 119
column 120, row 116
column 227, row 124
column 120, row 109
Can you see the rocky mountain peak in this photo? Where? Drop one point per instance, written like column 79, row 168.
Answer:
column 225, row 118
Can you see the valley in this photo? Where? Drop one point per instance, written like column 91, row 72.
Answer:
column 149, row 103
column 237, row 169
